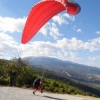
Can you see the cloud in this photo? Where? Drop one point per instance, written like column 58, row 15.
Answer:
column 98, row 32
column 11, row 25
column 54, row 31
column 63, row 18
column 78, row 30
column 94, row 61
column 44, row 30
column 74, row 44
column 93, row 45
column 61, row 47
column 7, row 43
column 1, row 55
column 71, row 17
column 70, row 44
column 51, row 30
column 97, row 58
column 65, row 49
column 73, row 56
column 39, row 48
column 60, row 19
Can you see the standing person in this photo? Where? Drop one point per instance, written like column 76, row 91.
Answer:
column 37, row 84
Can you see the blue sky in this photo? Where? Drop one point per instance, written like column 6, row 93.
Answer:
column 67, row 37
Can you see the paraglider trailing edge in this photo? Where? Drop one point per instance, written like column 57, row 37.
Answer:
column 42, row 12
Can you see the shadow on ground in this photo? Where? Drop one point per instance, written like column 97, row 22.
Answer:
column 54, row 98
column 51, row 97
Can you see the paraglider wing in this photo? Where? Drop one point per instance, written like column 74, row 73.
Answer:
column 40, row 14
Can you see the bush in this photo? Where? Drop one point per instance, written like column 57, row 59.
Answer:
column 4, row 81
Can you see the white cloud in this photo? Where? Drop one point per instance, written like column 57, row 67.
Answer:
column 98, row 32
column 71, row 17
column 94, row 61
column 70, row 44
column 65, row 49
column 44, row 30
column 78, row 30
column 54, row 31
column 97, row 58
column 73, row 56
column 60, row 19
column 39, row 48
column 74, row 44
column 11, row 25
column 51, row 30
column 93, row 45
column 63, row 18
column 1, row 55
column 61, row 47
column 7, row 43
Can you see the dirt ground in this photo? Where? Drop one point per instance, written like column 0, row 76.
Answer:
column 15, row 93
column 89, row 98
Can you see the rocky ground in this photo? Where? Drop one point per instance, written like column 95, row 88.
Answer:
column 14, row 93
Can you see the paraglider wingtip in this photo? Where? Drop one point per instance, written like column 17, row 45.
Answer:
column 23, row 42
column 73, row 8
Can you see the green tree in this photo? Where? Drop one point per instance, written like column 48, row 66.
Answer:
column 12, row 71
column 26, row 76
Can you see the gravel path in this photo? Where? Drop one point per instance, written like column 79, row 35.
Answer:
column 14, row 93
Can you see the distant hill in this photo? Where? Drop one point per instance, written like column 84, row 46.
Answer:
column 69, row 69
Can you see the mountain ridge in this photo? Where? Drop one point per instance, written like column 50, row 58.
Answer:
column 79, row 72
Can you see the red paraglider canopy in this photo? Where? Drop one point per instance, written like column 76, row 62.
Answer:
column 44, row 11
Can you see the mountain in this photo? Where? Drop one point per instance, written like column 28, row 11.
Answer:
column 69, row 69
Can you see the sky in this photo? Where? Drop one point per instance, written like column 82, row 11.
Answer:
column 68, row 37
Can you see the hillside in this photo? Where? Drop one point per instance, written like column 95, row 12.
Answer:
column 79, row 72
column 52, row 75
column 21, row 75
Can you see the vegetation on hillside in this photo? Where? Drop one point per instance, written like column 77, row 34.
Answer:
column 18, row 73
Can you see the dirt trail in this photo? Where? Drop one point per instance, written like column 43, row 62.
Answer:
column 14, row 93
